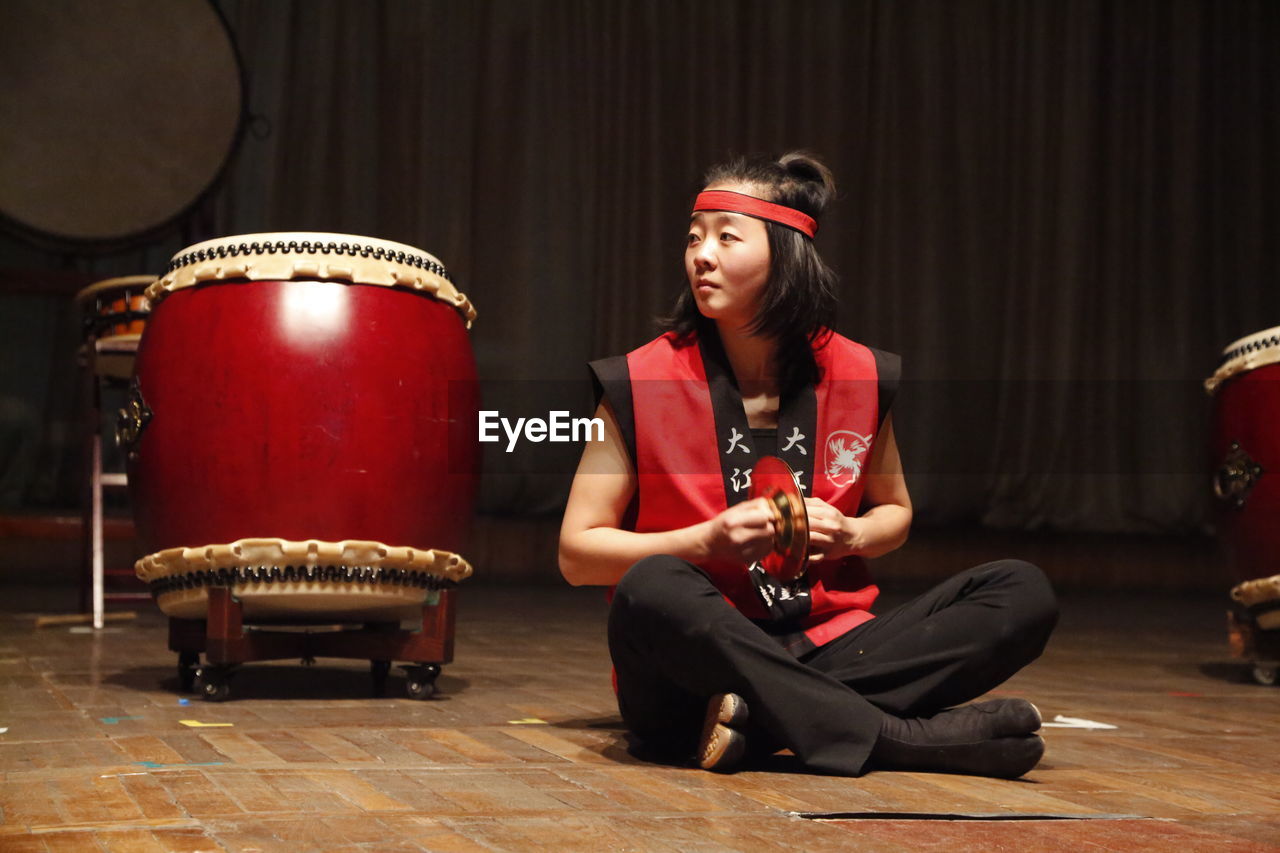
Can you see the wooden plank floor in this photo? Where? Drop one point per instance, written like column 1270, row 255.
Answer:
column 524, row 750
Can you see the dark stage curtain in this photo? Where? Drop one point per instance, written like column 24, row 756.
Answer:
column 1057, row 212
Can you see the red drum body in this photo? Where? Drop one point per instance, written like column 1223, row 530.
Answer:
column 1246, row 450
column 296, row 428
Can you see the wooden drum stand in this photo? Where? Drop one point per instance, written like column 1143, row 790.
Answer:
column 226, row 643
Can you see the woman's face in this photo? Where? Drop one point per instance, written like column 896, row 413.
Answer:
column 727, row 261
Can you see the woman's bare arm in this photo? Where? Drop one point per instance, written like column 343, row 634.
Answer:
column 594, row 550
column 880, row 529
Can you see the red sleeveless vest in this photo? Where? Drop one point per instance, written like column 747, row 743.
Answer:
column 685, row 475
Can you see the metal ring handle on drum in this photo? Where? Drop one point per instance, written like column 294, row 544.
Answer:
column 132, row 420
column 1236, row 476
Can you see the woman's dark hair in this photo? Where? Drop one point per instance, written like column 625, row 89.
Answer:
column 799, row 303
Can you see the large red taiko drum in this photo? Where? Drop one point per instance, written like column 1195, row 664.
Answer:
column 1246, row 481
column 301, row 428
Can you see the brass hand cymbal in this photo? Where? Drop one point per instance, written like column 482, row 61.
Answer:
column 773, row 480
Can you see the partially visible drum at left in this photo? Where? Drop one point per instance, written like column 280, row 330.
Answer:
column 115, row 306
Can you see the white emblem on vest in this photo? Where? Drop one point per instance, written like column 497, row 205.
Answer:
column 734, row 438
column 793, row 439
column 846, row 453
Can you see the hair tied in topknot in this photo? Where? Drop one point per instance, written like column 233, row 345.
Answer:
column 803, row 166
column 800, row 165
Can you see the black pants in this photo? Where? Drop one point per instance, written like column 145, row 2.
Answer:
column 676, row 642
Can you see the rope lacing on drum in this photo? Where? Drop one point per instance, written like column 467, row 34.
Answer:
column 287, row 574
column 364, row 250
column 1252, row 346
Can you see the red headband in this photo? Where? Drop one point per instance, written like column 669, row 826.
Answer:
column 757, row 207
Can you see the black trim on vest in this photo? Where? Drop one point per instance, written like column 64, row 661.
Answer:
column 733, row 434
column 888, row 374
column 798, row 434
column 611, row 377
column 797, row 424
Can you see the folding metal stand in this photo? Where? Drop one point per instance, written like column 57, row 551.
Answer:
column 106, row 361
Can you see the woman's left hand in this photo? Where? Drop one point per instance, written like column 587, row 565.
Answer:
column 832, row 534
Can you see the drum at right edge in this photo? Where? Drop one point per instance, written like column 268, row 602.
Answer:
column 1246, row 480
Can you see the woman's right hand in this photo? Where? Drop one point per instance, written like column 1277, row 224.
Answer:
column 743, row 533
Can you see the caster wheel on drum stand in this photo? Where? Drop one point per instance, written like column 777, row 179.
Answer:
column 1266, row 674
column 379, row 669
column 422, row 680
column 420, row 690
column 214, row 683
column 188, row 665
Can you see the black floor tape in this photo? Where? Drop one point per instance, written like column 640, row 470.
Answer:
column 1006, row 816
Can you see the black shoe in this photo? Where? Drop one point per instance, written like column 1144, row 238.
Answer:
column 1008, row 717
column 1001, row 758
column 992, row 738
column 723, row 743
